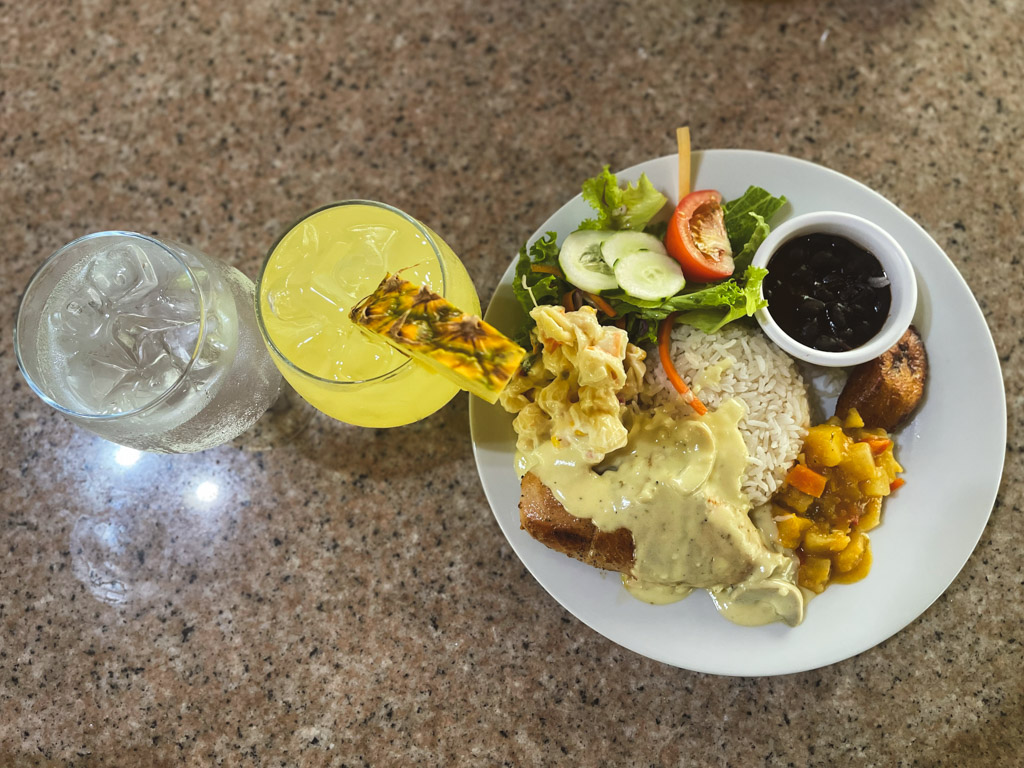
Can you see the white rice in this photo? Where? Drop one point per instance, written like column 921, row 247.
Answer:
column 756, row 372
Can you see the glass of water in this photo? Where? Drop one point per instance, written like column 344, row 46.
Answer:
column 146, row 343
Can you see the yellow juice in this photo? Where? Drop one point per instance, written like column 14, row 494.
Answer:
column 313, row 276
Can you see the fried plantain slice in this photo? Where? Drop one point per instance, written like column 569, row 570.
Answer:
column 886, row 390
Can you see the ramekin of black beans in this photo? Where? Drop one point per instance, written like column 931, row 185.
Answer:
column 838, row 288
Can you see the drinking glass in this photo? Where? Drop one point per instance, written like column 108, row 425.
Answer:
column 147, row 343
column 318, row 269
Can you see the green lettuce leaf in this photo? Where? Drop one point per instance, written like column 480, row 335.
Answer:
column 532, row 288
column 739, row 225
column 735, row 302
column 746, row 254
column 707, row 307
column 628, row 207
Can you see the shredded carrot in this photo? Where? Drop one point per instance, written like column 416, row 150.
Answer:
column 899, row 482
column 665, row 353
column 807, row 480
column 683, row 143
column 600, row 303
column 547, row 269
column 878, row 444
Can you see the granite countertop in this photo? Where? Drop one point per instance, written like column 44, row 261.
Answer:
column 344, row 596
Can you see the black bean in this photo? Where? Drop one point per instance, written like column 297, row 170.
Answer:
column 812, row 306
column 834, row 280
column 821, row 293
column 828, row 344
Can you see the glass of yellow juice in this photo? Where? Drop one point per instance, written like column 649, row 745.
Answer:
column 314, row 274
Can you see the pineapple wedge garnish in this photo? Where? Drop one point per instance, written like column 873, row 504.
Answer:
column 429, row 328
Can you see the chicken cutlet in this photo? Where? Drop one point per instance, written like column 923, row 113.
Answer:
column 543, row 517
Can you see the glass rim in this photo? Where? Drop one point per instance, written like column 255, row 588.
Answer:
column 37, row 275
column 277, row 353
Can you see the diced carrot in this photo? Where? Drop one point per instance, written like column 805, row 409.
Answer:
column 601, row 304
column 899, row 482
column 547, row 269
column 877, row 444
column 807, row 480
column 665, row 353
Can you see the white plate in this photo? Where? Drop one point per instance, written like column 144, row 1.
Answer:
column 953, row 457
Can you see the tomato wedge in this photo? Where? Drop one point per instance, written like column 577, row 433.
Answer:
column 696, row 237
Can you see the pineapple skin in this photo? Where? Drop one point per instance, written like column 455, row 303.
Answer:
column 429, row 328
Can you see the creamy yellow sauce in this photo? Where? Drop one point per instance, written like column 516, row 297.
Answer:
column 711, row 376
column 676, row 485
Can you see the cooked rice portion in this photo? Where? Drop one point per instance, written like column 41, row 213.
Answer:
column 739, row 361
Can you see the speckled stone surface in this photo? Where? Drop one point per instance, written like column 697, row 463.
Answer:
column 347, row 598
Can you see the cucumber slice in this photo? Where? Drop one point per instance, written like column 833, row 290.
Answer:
column 582, row 263
column 626, row 243
column 650, row 276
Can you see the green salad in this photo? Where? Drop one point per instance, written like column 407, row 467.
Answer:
column 616, row 262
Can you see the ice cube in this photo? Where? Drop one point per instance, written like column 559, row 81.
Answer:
column 374, row 239
column 288, row 306
column 357, row 265
column 142, row 385
column 79, row 318
column 93, row 379
column 162, row 374
column 179, row 342
column 177, row 299
column 121, row 273
column 310, row 237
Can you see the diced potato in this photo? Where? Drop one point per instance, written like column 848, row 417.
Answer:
column 814, row 573
column 889, row 464
column 796, row 500
column 853, row 420
column 872, row 515
column 859, row 464
column 859, row 571
column 819, row 542
column 791, row 529
column 851, row 556
column 824, row 445
column 876, row 486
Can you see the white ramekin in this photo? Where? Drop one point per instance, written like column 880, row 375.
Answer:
column 890, row 255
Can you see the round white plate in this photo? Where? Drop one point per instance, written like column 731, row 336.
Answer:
column 953, row 457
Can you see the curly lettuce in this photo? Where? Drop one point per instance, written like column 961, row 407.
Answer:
column 621, row 207
column 538, row 277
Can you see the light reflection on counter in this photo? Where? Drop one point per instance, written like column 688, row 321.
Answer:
column 207, row 491
column 127, row 457
column 140, row 519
